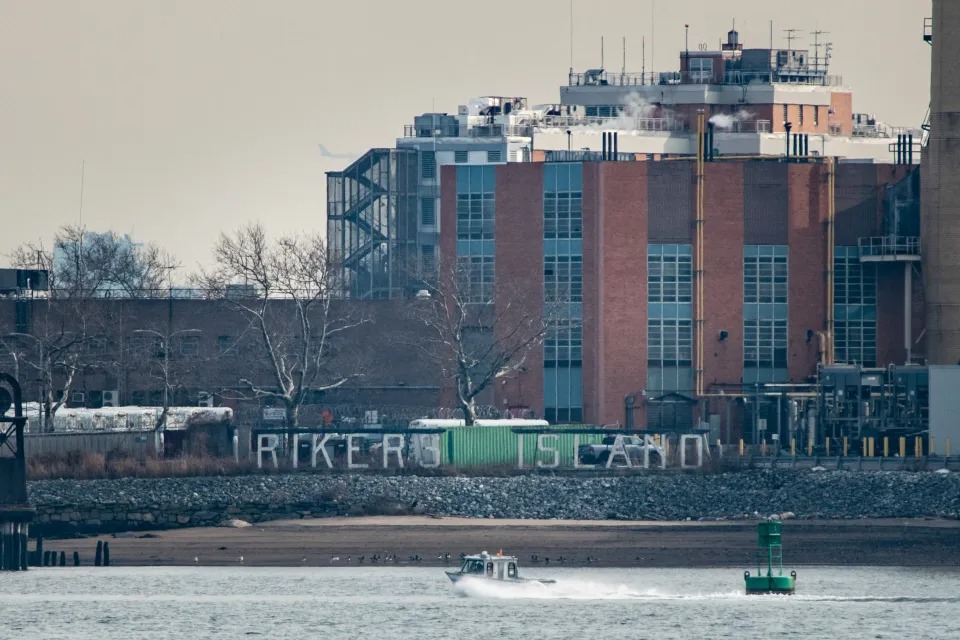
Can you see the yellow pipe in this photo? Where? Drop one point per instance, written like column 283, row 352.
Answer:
column 930, row 447
column 886, row 447
column 846, row 446
column 741, row 446
column 903, row 447
column 827, row 442
column 948, row 447
column 698, row 257
column 831, row 212
column 793, row 447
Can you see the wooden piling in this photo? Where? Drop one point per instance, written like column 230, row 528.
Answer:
column 98, row 561
column 76, row 559
column 24, row 552
column 38, row 554
column 106, row 554
column 63, row 559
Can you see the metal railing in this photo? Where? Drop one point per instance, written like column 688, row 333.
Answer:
column 879, row 246
column 615, row 122
column 474, row 131
column 802, row 76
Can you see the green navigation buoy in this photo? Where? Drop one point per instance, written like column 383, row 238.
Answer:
column 770, row 551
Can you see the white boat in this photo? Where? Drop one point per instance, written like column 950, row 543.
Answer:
column 488, row 567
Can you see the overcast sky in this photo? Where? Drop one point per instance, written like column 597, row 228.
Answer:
column 196, row 116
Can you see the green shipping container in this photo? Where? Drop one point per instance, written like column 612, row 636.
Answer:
column 467, row 447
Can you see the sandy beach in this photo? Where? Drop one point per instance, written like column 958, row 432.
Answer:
column 317, row 542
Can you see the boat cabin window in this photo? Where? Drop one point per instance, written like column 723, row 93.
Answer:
column 473, row 566
column 489, row 568
column 512, row 570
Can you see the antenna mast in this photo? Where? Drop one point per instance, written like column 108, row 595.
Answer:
column 816, row 49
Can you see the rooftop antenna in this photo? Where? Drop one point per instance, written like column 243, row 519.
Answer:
column 771, row 35
column 623, row 69
column 816, row 48
column 571, row 37
column 643, row 66
column 790, row 37
column 601, row 52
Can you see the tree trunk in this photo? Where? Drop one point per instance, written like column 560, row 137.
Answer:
column 469, row 408
column 293, row 422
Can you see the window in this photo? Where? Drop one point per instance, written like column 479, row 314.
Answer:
column 475, row 216
column 477, row 277
column 563, row 288
column 785, row 116
column 701, row 70
column 800, row 119
column 765, row 297
column 563, row 278
column 816, row 116
column 495, row 155
column 227, row 346
column 428, row 258
column 669, row 342
column 764, row 347
column 189, row 345
column 855, row 308
column 460, row 157
column 765, row 274
column 428, row 164
column 670, row 317
column 563, row 215
column 428, row 212
column 670, row 273
column 512, row 570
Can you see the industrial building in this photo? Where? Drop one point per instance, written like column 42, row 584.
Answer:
column 384, row 210
column 694, row 285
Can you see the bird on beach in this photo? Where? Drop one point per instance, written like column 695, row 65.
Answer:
column 240, row 559
column 335, row 559
column 196, row 560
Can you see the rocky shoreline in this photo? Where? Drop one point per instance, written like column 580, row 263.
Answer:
column 69, row 507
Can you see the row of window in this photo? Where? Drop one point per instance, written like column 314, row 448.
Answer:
column 563, row 278
column 802, row 109
column 152, row 345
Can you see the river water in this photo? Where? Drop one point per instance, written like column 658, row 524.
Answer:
column 397, row 602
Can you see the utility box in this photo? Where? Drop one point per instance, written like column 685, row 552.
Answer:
column 945, row 405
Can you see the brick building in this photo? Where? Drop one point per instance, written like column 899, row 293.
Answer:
column 210, row 347
column 617, row 242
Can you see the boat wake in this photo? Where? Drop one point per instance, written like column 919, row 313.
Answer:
column 572, row 589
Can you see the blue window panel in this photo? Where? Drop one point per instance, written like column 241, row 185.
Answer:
column 476, row 247
column 761, row 375
column 679, row 310
column 489, row 179
column 550, row 386
column 765, row 311
column 463, row 180
column 555, row 247
column 662, row 380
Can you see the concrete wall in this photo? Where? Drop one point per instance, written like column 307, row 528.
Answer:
column 940, row 195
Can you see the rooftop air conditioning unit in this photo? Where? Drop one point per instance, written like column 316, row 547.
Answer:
column 77, row 397
column 111, row 398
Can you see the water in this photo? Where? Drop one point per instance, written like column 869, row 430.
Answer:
column 392, row 603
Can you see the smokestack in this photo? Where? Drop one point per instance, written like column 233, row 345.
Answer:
column 603, row 154
column 616, row 146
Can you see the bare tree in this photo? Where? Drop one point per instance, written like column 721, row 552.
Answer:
column 65, row 337
column 82, row 263
column 172, row 358
column 477, row 333
column 282, row 289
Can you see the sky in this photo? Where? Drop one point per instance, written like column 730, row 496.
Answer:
column 182, row 119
